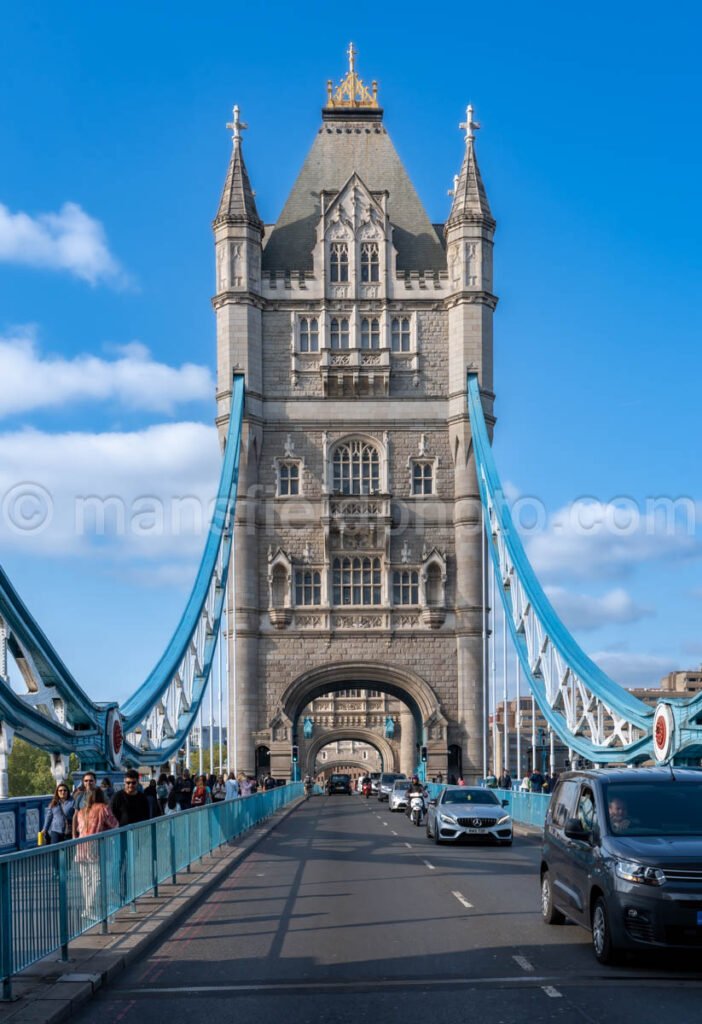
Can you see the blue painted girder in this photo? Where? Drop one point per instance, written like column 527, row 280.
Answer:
column 597, row 682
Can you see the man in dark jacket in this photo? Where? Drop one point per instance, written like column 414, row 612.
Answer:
column 129, row 805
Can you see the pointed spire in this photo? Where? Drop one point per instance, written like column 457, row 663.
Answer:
column 469, row 197
column 238, row 205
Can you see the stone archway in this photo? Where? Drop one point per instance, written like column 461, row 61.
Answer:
column 384, row 748
column 430, row 722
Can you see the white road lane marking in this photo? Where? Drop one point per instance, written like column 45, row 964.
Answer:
column 430, row 866
column 462, row 900
column 408, row 845
column 385, row 823
column 552, row 992
column 395, row 833
column 522, row 962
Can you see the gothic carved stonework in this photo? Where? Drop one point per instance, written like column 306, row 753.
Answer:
column 357, row 621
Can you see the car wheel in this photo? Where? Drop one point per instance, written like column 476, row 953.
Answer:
column 428, row 831
column 548, row 911
column 437, row 840
column 601, row 933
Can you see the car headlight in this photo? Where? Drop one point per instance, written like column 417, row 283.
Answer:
column 504, row 820
column 448, row 818
column 632, row 871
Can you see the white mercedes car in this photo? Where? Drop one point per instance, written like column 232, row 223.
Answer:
column 397, row 798
column 469, row 813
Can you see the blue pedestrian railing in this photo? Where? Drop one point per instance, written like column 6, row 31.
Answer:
column 525, row 808
column 52, row 894
column 21, row 818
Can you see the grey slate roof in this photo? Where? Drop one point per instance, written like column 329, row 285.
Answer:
column 238, row 205
column 470, row 198
column 342, row 146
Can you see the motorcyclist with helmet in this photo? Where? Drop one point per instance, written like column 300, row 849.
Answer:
column 416, row 788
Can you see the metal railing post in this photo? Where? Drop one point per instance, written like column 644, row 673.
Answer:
column 63, row 902
column 6, row 931
column 131, row 868
column 102, row 882
column 154, row 859
column 172, row 842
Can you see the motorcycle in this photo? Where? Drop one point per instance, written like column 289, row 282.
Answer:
column 417, row 808
column 367, row 788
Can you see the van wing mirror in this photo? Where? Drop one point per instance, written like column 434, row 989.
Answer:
column 574, row 829
column 505, row 803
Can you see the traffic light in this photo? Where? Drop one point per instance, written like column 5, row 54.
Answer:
column 423, row 754
column 295, row 754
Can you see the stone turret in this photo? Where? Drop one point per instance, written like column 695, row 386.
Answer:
column 238, row 304
column 469, row 235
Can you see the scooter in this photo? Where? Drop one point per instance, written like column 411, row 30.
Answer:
column 417, row 808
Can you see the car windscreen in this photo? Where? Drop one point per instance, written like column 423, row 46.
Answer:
column 389, row 778
column 662, row 808
column 469, row 796
column 401, row 784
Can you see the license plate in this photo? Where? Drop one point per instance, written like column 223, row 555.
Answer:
column 480, row 831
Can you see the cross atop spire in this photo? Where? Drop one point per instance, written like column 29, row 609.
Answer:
column 469, row 125
column 237, row 126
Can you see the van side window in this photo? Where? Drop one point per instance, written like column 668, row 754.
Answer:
column 586, row 811
column 563, row 802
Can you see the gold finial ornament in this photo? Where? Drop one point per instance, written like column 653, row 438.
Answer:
column 351, row 92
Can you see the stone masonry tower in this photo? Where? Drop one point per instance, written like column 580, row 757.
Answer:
column 357, row 541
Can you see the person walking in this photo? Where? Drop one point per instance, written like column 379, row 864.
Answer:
column 184, row 790
column 219, row 790
column 107, row 788
column 162, row 791
column 93, row 817
column 79, row 797
column 151, row 794
column 128, row 805
column 231, row 787
column 201, row 794
column 505, row 780
column 58, row 822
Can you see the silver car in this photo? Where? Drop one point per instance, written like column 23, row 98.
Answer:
column 397, row 801
column 467, row 812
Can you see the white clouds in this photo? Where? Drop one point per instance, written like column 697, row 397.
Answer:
column 144, row 495
column 630, row 669
column 69, row 240
column 585, row 612
column 607, row 540
column 31, row 380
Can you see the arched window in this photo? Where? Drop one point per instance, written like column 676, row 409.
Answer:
column 434, row 595
column 356, row 468
column 279, row 587
column 370, row 332
column 370, row 263
column 405, row 587
column 309, row 334
column 339, row 331
column 356, row 581
column 400, row 334
column 339, row 262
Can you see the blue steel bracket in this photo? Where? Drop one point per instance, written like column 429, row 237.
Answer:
column 58, row 716
column 587, row 710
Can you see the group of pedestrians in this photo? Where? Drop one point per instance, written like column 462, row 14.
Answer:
column 92, row 808
column 537, row 782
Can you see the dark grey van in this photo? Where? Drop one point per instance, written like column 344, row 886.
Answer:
column 622, row 856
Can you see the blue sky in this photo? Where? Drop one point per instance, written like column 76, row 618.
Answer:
column 114, row 153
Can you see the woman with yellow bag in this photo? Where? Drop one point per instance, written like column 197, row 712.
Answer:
column 58, row 822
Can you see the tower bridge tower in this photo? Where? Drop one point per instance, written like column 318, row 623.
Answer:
column 358, row 540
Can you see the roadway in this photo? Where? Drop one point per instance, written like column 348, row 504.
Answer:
column 347, row 913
